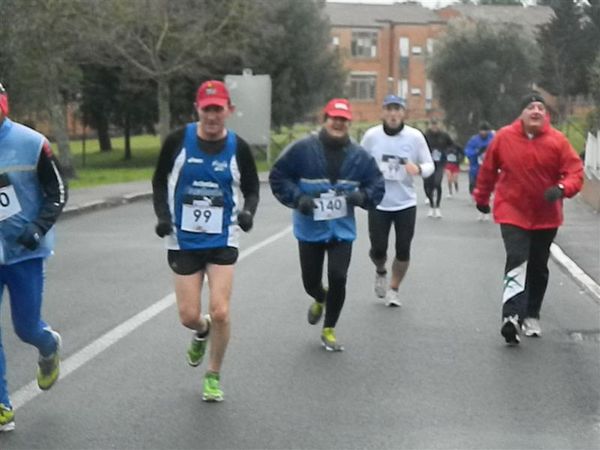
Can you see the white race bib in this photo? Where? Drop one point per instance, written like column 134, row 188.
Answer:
column 201, row 218
column 9, row 203
column 452, row 158
column 436, row 155
column 330, row 206
column 391, row 169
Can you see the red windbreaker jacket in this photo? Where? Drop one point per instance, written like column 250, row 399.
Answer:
column 520, row 169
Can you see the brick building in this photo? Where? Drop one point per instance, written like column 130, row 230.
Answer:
column 386, row 48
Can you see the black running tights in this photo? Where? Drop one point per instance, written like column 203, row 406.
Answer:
column 312, row 257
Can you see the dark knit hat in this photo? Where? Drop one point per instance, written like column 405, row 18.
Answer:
column 530, row 98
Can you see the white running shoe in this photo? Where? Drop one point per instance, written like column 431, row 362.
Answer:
column 392, row 298
column 431, row 212
column 381, row 284
column 437, row 213
column 531, row 327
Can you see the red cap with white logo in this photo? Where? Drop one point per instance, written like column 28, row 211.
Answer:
column 338, row 107
column 212, row 93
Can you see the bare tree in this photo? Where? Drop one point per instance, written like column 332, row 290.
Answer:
column 161, row 39
column 40, row 41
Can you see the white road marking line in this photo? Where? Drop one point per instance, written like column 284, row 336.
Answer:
column 86, row 354
column 582, row 278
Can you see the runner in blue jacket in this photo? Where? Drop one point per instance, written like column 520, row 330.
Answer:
column 475, row 151
column 323, row 178
column 32, row 196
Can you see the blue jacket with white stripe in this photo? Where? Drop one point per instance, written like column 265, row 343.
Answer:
column 302, row 170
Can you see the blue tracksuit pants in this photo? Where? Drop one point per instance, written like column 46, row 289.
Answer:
column 25, row 283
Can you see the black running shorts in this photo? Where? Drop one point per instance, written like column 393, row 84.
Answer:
column 187, row 262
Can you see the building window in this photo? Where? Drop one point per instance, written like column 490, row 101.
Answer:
column 416, row 50
column 364, row 44
column 335, row 40
column 403, row 88
column 404, row 47
column 415, row 91
column 362, row 86
column 428, row 94
column 428, row 89
column 430, row 44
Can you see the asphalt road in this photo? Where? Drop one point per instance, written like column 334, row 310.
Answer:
column 433, row 374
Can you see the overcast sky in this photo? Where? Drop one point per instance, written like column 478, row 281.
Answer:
column 433, row 4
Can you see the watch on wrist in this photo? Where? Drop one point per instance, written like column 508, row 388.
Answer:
column 561, row 186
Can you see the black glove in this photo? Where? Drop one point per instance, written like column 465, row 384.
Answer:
column 485, row 209
column 164, row 228
column 217, row 201
column 356, row 198
column 306, row 205
column 245, row 220
column 31, row 236
column 553, row 193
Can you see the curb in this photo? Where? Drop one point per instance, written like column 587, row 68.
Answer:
column 72, row 211
column 581, row 278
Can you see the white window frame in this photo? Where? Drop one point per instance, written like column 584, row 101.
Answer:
column 363, row 86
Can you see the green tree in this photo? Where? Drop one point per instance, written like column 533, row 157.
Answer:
column 480, row 73
column 567, row 53
column 40, row 46
column 290, row 40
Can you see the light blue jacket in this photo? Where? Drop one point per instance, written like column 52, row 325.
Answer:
column 20, row 149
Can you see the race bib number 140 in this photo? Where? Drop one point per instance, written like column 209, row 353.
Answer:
column 329, row 207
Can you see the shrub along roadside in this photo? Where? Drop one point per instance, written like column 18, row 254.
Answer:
column 96, row 168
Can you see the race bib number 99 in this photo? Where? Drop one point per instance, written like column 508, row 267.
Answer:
column 9, row 203
column 202, row 219
column 329, row 207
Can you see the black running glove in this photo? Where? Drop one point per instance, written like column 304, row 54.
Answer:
column 356, row 198
column 554, row 193
column 306, row 205
column 31, row 236
column 164, row 228
column 245, row 220
column 485, row 209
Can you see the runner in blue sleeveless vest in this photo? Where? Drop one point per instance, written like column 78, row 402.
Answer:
column 199, row 171
column 32, row 195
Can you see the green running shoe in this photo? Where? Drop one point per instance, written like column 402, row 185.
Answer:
column 329, row 341
column 315, row 312
column 7, row 418
column 197, row 348
column 49, row 366
column 212, row 388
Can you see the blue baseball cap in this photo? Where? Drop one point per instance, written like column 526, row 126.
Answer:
column 392, row 99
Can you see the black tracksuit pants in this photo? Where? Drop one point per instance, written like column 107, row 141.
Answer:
column 312, row 257
column 526, row 270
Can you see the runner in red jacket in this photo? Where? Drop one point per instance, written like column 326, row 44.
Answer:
column 531, row 167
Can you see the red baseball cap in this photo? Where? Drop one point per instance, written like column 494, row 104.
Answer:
column 3, row 101
column 338, row 107
column 212, row 93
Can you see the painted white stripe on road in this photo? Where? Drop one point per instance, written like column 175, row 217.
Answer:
column 582, row 278
column 86, row 354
